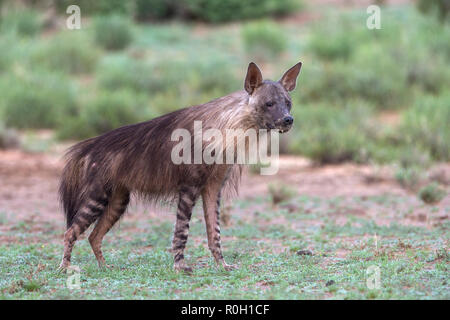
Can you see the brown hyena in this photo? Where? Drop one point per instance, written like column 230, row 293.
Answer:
column 102, row 172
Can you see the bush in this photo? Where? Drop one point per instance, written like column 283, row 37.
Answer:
column 440, row 8
column 25, row 22
column 329, row 44
column 432, row 193
column 280, row 192
column 154, row 9
column 331, row 135
column 379, row 82
column 105, row 111
column 167, row 74
column 68, row 52
column 264, row 39
column 36, row 100
column 221, row 11
column 113, row 32
column 102, row 7
column 426, row 125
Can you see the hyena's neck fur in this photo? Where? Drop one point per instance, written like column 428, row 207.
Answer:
column 228, row 112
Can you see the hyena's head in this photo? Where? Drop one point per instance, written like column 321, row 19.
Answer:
column 270, row 101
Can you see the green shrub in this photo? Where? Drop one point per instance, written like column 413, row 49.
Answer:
column 426, row 125
column 409, row 178
column 231, row 10
column 70, row 52
column 102, row 7
column 116, row 72
column 263, row 39
column 167, row 74
column 281, row 192
column 36, row 100
column 378, row 82
column 328, row 44
column 440, row 8
column 432, row 193
column 24, row 22
column 103, row 112
column 331, row 135
column 155, row 9
column 113, row 32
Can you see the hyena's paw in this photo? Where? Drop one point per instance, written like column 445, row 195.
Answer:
column 229, row 267
column 182, row 267
column 63, row 267
column 105, row 267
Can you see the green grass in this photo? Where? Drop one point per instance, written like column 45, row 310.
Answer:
column 413, row 260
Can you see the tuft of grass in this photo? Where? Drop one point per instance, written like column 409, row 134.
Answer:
column 280, row 192
column 432, row 193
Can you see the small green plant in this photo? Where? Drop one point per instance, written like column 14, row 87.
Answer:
column 263, row 39
column 409, row 178
column 432, row 193
column 280, row 192
column 113, row 32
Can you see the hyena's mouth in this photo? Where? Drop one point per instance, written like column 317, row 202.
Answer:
column 281, row 129
column 284, row 129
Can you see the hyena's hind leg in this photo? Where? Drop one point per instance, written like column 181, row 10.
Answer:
column 115, row 209
column 92, row 208
column 187, row 198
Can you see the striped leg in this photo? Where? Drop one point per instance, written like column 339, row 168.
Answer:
column 88, row 214
column 116, row 207
column 188, row 196
column 211, row 209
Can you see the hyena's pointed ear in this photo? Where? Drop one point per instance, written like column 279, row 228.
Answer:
column 289, row 78
column 253, row 78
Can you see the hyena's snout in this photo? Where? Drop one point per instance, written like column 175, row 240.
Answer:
column 284, row 124
column 288, row 121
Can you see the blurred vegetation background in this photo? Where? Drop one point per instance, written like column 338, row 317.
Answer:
column 367, row 96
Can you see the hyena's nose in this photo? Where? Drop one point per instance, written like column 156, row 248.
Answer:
column 287, row 121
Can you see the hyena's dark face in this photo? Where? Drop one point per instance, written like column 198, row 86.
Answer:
column 270, row 100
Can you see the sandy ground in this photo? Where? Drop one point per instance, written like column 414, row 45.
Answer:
column 29, row 183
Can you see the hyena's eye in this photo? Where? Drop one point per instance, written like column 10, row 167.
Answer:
column 269, row 104
column 288, row 104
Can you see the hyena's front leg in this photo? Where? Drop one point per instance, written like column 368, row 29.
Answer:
column 211, row 209
column 188, row 196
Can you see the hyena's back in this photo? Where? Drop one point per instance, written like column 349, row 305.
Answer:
column 135, row 158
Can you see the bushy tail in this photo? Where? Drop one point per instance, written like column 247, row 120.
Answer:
column 72, row 188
